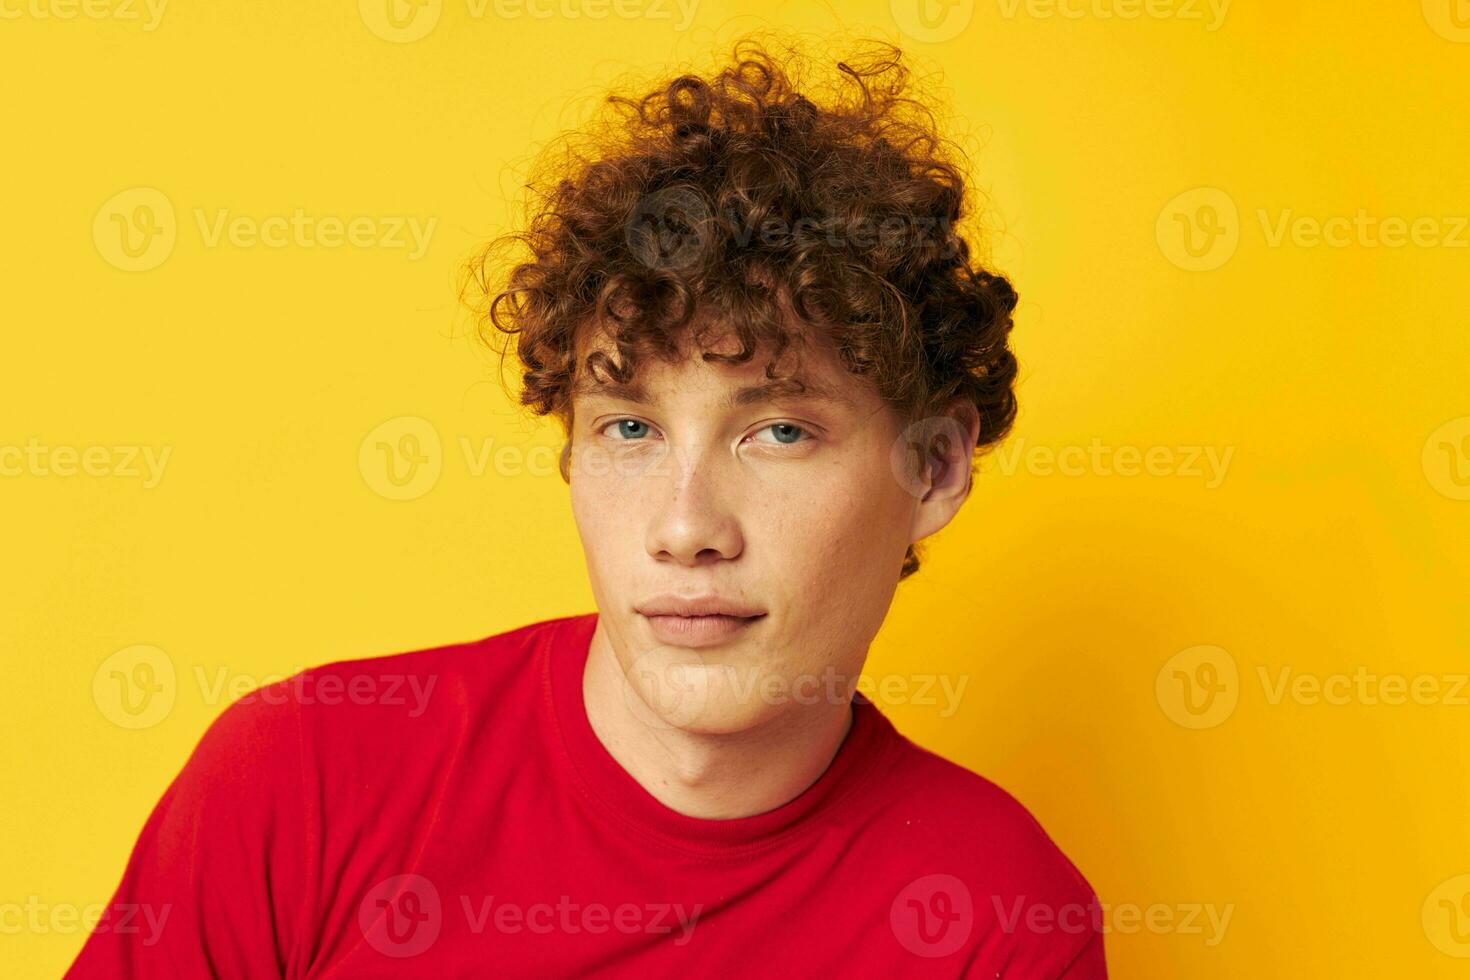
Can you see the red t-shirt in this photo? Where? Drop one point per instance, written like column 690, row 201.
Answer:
column 451, row 813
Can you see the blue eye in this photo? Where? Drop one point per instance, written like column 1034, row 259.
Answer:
column 632, row 428
column 787, row 434
column 635, row 430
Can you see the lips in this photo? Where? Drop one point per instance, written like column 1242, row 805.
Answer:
column 695, row 606
column 699, row 631
column 698, row 621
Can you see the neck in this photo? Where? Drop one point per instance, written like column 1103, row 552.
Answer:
column 720, row 776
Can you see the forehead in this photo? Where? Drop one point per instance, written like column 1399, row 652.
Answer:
column 652, row 385
column 812, row 375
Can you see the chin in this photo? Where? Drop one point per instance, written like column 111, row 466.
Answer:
column 704, row 698
column 722, row 719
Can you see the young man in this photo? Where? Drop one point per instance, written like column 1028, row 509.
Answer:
column 775, row 364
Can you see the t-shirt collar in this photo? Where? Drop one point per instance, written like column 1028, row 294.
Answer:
column 625, row 801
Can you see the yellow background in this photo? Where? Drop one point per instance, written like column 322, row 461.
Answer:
column 1335, row 540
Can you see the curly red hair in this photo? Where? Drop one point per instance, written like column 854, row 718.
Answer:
column 737, row 200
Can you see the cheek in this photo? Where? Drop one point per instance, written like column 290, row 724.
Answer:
column 837, row 547
column 607, row 525
column 841, row 523
column 605, row 488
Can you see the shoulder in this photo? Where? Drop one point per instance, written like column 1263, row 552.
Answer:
column 979, row 818
column 966, row 836
column 375, row 703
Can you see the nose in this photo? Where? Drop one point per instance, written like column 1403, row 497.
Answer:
column 694, row 521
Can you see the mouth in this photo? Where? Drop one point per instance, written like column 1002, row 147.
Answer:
column 699, row 631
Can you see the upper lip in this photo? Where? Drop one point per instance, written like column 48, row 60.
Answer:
column 699, row 605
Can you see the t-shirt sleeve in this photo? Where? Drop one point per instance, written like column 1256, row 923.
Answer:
column 1084, row 962
column 1089, row 963
column 216, row 882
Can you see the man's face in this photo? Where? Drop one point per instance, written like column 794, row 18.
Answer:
column 698, row 485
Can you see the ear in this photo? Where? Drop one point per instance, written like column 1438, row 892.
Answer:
column 564, row 463
column 946, row 444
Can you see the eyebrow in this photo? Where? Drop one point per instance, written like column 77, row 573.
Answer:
column 788, row 389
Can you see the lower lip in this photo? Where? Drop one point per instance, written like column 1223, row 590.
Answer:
column 699, row 631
